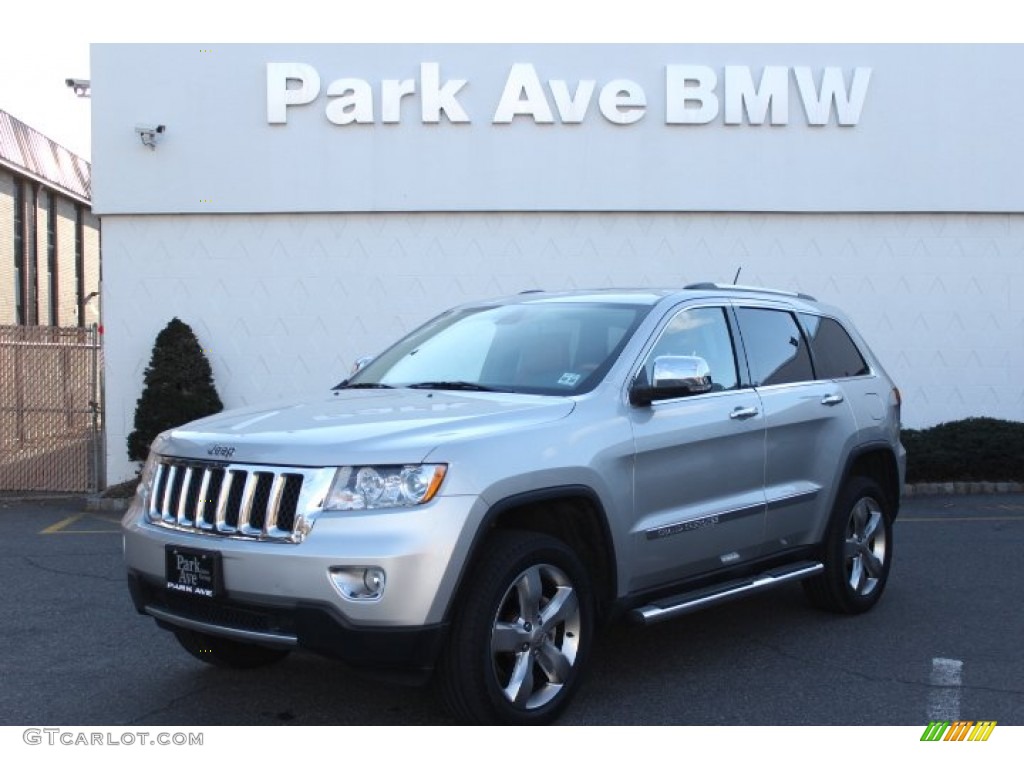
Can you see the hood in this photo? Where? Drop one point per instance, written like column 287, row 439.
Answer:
column 356, row 427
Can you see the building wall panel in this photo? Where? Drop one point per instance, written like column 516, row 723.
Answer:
column 91, row 235
column 67, row 307
column 285, row 303
column 8, row 314
column 41, row 216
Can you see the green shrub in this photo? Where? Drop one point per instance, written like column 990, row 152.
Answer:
column 178, row 388
column 974, row 450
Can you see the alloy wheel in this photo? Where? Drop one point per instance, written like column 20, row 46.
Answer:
column 535, row 636
column 865, row 547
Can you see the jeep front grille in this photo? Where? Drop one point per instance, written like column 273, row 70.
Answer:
column 237, row 500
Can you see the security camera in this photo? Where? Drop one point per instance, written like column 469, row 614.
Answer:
column 148, row 133
column 81, row 88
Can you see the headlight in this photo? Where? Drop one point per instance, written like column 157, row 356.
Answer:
column 380, row 487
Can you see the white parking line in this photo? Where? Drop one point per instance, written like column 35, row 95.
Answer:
column 972, row 519
column 944, row 697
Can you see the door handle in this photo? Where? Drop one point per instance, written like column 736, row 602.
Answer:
column 831, row 399
column 743, row 413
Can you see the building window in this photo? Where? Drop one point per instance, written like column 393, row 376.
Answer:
column 32, row 258
column 51, row 255
column 19, row 253
column 80, row 264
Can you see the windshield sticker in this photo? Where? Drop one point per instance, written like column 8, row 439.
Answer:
column 569, row 379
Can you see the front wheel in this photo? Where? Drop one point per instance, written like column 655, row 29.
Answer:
column 857, row 550
column 521, row 634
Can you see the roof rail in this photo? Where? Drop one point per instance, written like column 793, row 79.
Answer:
column 747, row 288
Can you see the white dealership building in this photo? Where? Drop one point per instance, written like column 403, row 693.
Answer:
column 303, row 205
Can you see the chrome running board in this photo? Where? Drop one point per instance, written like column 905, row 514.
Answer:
column 688, row 602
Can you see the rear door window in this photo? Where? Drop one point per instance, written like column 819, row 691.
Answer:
column 776, row 350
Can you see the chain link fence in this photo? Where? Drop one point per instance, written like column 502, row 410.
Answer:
column 50, row 409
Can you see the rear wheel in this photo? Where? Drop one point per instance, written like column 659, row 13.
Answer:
column 521, row 635
column 857, row 550
column 223, row 652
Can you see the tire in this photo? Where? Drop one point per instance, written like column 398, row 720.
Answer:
column 856, row 551
column 232, row 654
column 521, row 635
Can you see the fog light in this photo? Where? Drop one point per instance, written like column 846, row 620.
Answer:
column 358, row 583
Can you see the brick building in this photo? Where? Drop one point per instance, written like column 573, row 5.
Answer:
column 49, row 237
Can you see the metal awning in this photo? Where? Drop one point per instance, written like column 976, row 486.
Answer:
column 26, row 151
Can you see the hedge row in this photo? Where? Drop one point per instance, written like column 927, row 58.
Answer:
column 971, row 450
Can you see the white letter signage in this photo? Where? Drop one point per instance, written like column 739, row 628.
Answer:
column 280, row 96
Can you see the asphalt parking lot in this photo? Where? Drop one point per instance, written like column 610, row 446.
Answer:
column 946, row 639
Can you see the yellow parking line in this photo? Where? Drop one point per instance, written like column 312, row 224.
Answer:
column 60, row 526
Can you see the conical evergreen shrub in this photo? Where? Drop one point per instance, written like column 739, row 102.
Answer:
column 178, row 388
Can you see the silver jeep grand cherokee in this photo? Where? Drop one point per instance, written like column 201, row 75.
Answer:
column 473, row 503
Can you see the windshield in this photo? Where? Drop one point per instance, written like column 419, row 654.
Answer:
column 540, row 348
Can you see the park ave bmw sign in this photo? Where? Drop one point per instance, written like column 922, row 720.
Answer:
column 693, row 95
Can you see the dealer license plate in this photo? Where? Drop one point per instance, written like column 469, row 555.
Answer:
column 194, row 572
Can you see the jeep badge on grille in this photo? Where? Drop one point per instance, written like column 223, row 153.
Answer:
column 227, row 451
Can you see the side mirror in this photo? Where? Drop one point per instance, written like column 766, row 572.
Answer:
column 673, row 376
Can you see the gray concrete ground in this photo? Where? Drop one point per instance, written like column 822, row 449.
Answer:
column 76, row 653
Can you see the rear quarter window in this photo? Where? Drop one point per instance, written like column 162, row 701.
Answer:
column 834, row 353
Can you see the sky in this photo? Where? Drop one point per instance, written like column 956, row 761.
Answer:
column 43, row 43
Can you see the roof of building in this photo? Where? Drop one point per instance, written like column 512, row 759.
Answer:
column 25, row 149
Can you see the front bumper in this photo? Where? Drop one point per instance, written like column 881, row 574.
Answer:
column 281, row 594
column 410, row 651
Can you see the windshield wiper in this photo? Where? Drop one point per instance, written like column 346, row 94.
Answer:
column 362, row 385
column 466, row 386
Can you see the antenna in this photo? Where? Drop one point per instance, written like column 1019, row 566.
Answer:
column 737, row 277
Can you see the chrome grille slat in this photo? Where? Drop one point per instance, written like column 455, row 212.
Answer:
column 246, row 508
column 209, row 492
column 182, row 510
column 270, row 521
column 260, row 503
column 200, row 510
column 240, row 501
column 221, row 520
column 165, row 503
column 287, row 506
column 152, row 503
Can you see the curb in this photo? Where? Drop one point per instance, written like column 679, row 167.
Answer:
column 959, row 489
column 20, row 497
column 99, row 504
